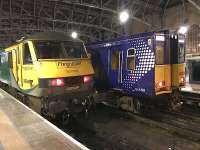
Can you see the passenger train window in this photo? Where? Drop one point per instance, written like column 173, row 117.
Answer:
column 131, row 59
column 115, row 60
column 159, row 53
column 27, row 54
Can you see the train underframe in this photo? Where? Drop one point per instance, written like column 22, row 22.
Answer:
column 51, row 107
column 139, row 104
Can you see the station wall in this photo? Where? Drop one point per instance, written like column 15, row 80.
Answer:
column 173, row 18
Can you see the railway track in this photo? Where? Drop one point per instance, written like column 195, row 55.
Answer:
column 182, row 123
column 178, row 123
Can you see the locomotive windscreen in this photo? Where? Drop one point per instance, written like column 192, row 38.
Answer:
column 59, row 49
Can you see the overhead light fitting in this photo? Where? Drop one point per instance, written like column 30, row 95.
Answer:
column 183, row 29
column 123, row 16
column 74, row 35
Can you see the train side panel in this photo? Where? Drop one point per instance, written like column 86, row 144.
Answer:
column 129, row 64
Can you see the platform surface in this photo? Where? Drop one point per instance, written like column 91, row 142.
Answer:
column 23, row 129
column 191, row 88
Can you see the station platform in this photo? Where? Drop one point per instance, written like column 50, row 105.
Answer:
column 191, row 94
column 191, row 88
column 23, row 129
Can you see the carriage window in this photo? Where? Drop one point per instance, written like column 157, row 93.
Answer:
column 159, row 53
column 115, row 60
column 27, row 54
column 131, row 59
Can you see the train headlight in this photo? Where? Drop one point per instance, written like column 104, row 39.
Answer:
column 57, row 82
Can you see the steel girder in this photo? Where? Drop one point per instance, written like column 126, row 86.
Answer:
column 92, row 19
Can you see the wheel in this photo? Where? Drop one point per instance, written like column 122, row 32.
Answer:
column 137, row 106
column 65, row 118
column 175, row 100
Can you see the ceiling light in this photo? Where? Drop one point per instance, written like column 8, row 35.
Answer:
column 183, row 29
column 74, row 35
column 123, row 16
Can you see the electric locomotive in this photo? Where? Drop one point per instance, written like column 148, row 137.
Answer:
column 51, row 71
column 140, row 70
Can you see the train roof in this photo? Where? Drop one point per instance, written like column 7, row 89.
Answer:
column 123, row 38
column 54, row 36
column 58, row 36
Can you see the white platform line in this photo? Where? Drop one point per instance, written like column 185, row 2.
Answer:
column 49, row 123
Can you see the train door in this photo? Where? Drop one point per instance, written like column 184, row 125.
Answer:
column 27, row 67
column 19, row 66
column 14, row 66
column 116, row 67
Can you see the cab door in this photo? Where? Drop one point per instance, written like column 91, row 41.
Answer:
column 19, row 66
column 14, row 66
column 28, row 70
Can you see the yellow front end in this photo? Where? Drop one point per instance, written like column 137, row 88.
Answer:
column 72, row 72
column 64, row 68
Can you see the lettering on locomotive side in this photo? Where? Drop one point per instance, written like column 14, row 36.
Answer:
column 69, row 64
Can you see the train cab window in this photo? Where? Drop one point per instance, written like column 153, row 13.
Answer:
column 115, row 60
column 59, row 49
column 131, row 59
column 160, row 47
column 27, row 54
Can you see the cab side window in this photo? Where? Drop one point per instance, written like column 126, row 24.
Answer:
column 27, row 54
column 131, row 59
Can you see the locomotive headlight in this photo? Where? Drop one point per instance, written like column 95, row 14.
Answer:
column 87, row 79
column 57, row 82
